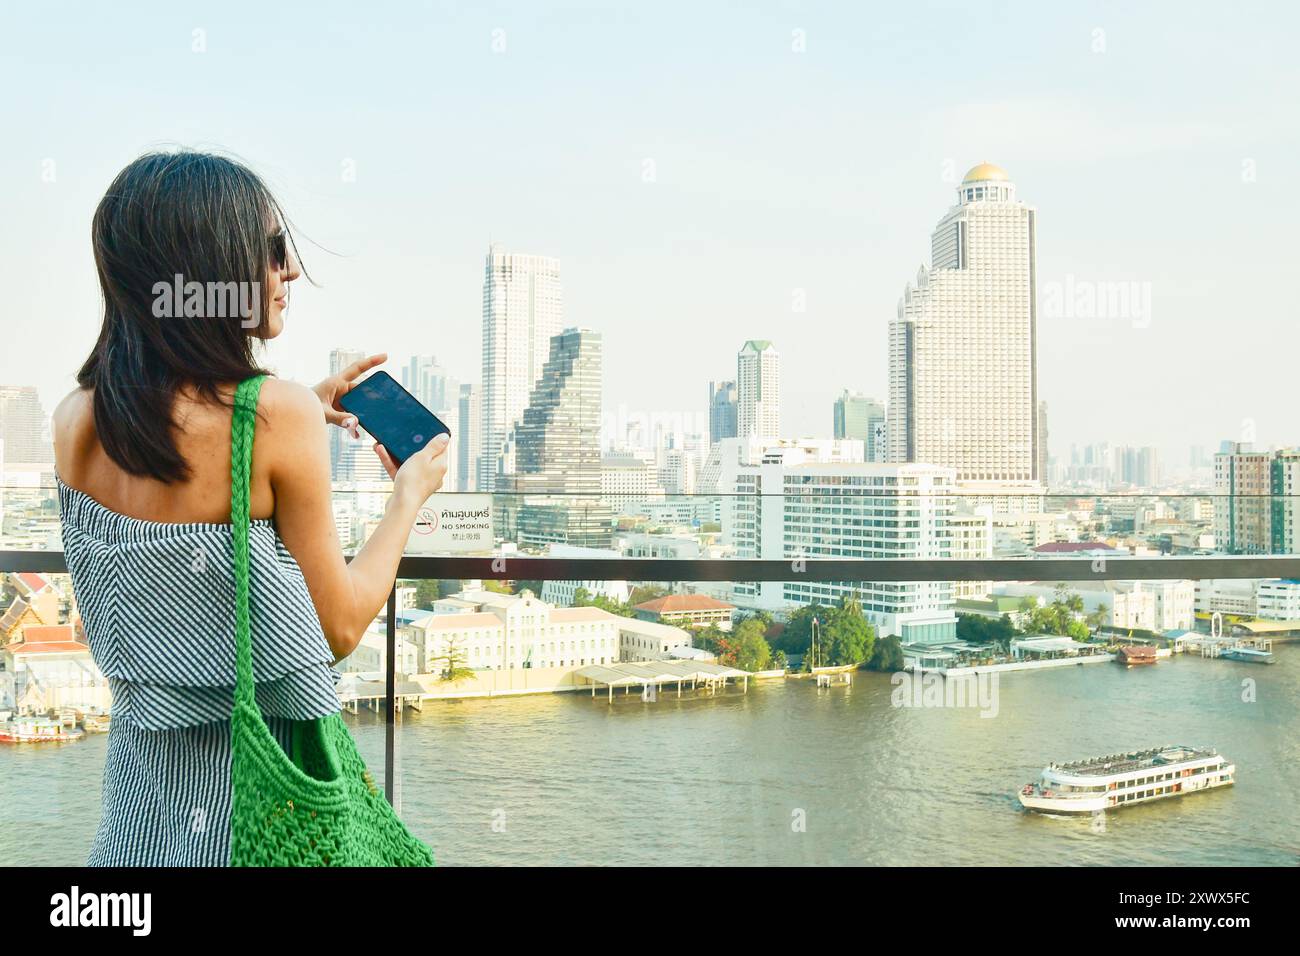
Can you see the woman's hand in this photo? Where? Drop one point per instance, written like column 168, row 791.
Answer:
column 336, row 386
column 421, row 474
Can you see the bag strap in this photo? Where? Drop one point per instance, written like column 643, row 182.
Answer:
column 243, row 423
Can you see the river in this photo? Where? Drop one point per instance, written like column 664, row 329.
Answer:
column 790, row 774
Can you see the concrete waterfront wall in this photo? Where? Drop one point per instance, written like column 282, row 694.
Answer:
column 1019, row 666
column 504, row 683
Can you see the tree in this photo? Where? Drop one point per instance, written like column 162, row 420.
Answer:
column 976, row 629
column 847, row 638
column 498, row 587
column 710, row 639
column 454, row 665
column 888, row 655
column 584, row 598
column 647, row 592
column 1064, row 617
column 429, row 590
column 750, row 648
column 797, row 636
column 1099, row 617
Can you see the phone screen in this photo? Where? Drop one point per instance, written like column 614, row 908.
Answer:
column 392, row 415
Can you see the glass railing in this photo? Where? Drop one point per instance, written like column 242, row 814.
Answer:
column 862, row 677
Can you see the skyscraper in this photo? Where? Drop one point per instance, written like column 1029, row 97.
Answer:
column 557, row 480
column 860, row 418
column 523, row 307
column 428, row 381
column 467, row 447
column 22, row 426
column 722, row 411
column 1256, row 507
column 1041, row 445
column 340, row 463
column 758, row 390
column 962, row 351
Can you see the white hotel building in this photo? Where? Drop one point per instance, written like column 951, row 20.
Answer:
column 962, row 350
column 788, row 507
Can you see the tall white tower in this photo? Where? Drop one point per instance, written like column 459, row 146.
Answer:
column 758, row 390
column 523, row 307
column 963, row 383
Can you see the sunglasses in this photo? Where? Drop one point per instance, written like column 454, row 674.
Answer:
column 279, row 250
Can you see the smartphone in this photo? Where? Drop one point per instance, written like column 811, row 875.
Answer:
column 392, row 415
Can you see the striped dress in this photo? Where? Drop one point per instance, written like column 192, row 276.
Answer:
column 157, row 601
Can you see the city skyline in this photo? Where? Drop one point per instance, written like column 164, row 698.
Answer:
column 673, row 234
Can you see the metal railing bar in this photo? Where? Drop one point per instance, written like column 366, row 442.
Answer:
column 522, row 567
column 390, row 694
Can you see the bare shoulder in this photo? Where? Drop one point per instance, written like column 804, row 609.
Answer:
column 292, row 425
column 290, row 405
column 73, row 422
column 74, row 409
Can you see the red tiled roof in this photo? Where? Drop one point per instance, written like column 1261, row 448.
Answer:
column 33, row 582
column 675, row 603
column 47, row 639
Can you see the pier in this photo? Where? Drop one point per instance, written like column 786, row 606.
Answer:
column 1251, row 650
column 655, row 674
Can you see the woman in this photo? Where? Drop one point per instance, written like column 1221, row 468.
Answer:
column 142, row 454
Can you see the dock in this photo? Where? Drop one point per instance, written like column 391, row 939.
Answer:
column 1247, row 650
column 650, row 676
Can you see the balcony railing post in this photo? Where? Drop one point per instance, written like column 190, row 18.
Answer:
column 390, row 695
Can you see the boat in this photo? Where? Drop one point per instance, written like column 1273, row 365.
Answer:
column 1120, row 780
column 1132, row 654
column 95, row 723
column 28, row 730
column 1248, row 655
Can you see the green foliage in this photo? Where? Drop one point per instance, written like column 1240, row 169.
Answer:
column 847, row 637
column 888, row 655
column 748, row 648
column 499, row 587
column 453, row 667
column 797, row 636
column 429, row 590
column 647, row 592
column 710, row 639
column 584, row 598
column 976, row 629
column 1098, row 617
column 1063, row 617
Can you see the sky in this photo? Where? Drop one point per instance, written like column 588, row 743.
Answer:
column 701, row 170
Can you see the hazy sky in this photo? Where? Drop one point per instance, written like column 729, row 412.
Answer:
column 1159, row 142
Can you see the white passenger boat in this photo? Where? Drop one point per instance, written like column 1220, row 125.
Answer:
column 29, row 730
column 1120, row 780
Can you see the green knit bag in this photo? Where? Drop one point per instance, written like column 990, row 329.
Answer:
column 321, row 807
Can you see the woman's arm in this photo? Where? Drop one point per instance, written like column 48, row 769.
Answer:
column 348, row 596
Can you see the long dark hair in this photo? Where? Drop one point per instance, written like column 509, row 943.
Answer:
column 206, row 219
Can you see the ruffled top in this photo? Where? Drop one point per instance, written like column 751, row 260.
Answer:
column 157, row 601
